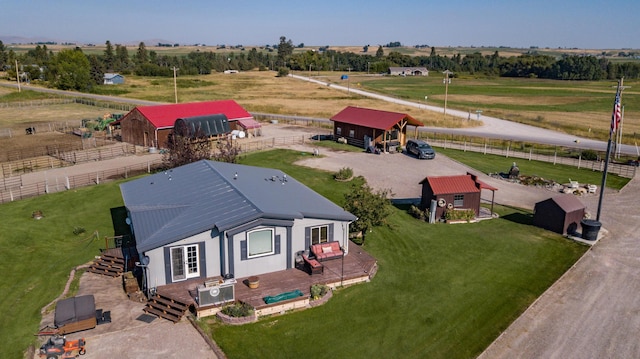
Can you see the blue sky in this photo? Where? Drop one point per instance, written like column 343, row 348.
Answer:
column 585, row 24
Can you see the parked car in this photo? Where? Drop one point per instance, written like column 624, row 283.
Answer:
column 420, row 149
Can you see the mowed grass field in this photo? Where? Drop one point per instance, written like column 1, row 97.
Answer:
column 441, row 290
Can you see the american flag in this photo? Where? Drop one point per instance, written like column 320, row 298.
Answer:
column 617, row 114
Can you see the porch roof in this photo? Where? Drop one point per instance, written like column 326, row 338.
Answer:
column 378, row 119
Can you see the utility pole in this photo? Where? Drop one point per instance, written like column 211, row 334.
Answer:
column 175, row 83
column 18, row 75
column 446, row 82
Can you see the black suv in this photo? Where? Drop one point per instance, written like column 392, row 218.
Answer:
column 420, row 149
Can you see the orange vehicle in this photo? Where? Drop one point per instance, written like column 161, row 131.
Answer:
column 58, row 347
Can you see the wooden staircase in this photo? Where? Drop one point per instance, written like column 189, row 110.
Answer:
column 166, row 308
column 110, row 263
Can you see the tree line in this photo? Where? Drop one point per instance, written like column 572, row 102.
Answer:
column 72, row 69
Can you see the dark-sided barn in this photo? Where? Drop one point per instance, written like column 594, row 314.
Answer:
column 363, row 127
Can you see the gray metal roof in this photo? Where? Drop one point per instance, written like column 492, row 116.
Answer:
column 168, row 206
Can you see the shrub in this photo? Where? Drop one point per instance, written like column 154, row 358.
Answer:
column 418, row 213
column 589, row 155
column 78, row 230
column 343, row 174
column 460, row 214
column 318, row 291
column 238, row 309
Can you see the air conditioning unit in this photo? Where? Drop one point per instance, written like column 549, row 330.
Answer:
column 216, row 294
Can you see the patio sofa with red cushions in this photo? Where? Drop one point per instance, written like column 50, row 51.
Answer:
column 326, row 251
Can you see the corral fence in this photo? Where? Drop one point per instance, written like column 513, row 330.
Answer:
column 12, row 189
column 63, row 156
column 63, row 101
column 62, row 127
column 294, row 120
column 274, row 142
column 530, row 152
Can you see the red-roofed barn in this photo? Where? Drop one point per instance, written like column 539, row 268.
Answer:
column 150, row 126
column 365, row 127
column 453, row 192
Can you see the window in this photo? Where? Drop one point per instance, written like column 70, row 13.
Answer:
column 260, row 243
column 352, row 133
column 319, row 234
column 458, row 200
column 338, row 130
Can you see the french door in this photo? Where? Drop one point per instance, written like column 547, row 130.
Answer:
column 184, row 262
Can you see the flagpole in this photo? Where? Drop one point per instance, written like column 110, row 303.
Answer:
column 614, row 126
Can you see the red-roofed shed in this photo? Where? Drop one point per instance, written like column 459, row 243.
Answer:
column 365, row 127
column 453, row 192
column 150, row 126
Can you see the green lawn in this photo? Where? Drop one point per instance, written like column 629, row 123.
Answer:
column 441, row 290
column 559, row 173
column 37, row 255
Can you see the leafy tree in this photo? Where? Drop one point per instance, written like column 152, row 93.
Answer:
column 227, row 151
column 371, row 208
column 4, row 56
column 142, row 56
column 380, row 52
column 69, row 70
column 285, row 50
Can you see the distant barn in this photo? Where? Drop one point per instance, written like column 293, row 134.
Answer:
column 408, row 71
column 150, row 126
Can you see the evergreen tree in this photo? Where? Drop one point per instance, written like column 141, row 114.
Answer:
column 109, row 58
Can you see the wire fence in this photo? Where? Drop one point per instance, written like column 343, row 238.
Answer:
column 555, row 155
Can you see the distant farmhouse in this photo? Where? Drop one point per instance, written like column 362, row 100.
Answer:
column 113, row 79
column 408, row 71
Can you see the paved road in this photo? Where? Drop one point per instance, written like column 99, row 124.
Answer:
column 491, row 127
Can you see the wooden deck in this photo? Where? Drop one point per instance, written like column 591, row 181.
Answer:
column 357, row 266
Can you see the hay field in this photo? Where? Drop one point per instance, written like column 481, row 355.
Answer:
column 262, row 91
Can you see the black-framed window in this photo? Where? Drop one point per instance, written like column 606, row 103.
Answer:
column 338, row 130
column 458, row 200
column 319, row 234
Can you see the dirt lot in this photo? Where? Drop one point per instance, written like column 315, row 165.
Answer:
column 127, row 336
